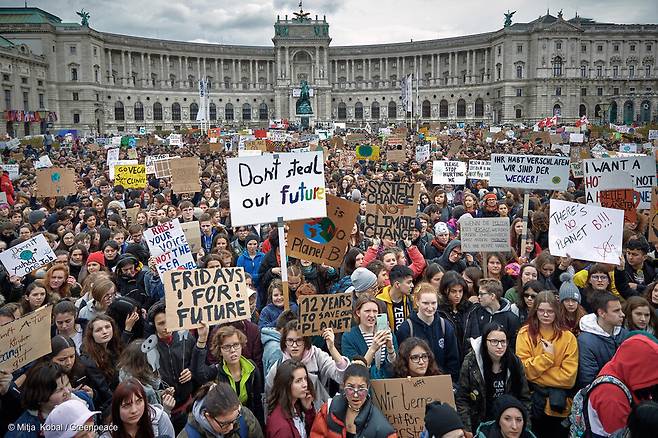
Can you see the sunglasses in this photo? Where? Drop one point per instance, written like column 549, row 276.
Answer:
column 352, row 392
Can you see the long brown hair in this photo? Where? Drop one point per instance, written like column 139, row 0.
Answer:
column 64, row 290
column 103, row 357
column 125, row 390
column 280, row 395
column 401, row 364
column 533, row 321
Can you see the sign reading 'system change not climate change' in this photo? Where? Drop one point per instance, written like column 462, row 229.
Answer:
column 529, row 172
column 265, row 188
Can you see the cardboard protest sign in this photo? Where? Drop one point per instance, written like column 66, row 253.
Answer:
column 27, row 256
column 131, row 176
column 132, row 154
column 403, row 401
column 367, row 152
column 622, row 199
column 529, row 172
column 168, row 245
column 448, row 172
column 490, row 234
column 25, row 339
column 479, row 169
column 149, row 162
column 653, row 216
column 55, row 181
column 356, row 138
column 192, row 235
column 162, row 168
column 346, row 159
column 185, row 175
column 455, row 146
column 396, row 156
column 265, row 188
column 12, row 169
column 213, row 296
column 318, row 312
column 256, row 145
column 585, row 232
column 422, row 153
column 112, row 155
column 129, row 215
column 324, row 240
column 612, row 173
column 337, row 142
column 391, row 209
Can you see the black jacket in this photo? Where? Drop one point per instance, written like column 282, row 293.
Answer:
column 175, row 356
column 480, row 316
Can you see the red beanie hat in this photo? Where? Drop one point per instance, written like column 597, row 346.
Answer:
column 97, row 257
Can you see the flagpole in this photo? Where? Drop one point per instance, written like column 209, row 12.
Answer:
column 417, row 97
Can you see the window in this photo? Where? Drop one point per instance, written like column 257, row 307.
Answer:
column 8, row 99
column 96, row 75
column 647, row 71
column 558, row 45
column 139, row 111
column 374, row 110
column 583, row 71
column 426, row 109
column 228, row 111
column 599, row 91
column 498, row 71
column 246, row 112
column 76, row 96
column 26, row 100
column 519, row 48
column 583, row 48
column 358, row 111
column 615, row 71
column 599, row 71
column 583, row 91
column 599, row 48
column 519, row 72
column 443, row 108
column 157, row 111
column 557, row 66
column 519, row 92
column 118, row 110
column 461, row 108
column 615, row 91
column 73, row 50
column 23, row 80
column 74, row 74
column 41, row 101
column 558, row 91
column 212, row 109
column 5, row 77
column 263, row 112
column 632, row 47
column 76, row 118
column 175, row 111
column 392, row 110
column 194, row 110
column 479, row 107
column 98, row 97
column 95, row 51
column 499, row 50
column 519, row 113
column 648, row 47
column 40, row 83
column 631, row 71
column 342, row 111
column 615, row 48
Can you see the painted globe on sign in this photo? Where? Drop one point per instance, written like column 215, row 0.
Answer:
column 320, row 231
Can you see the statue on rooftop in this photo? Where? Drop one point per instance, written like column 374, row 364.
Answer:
column 85, row 17
column 508, row 18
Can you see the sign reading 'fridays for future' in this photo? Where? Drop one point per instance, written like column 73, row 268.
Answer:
column 529, row 172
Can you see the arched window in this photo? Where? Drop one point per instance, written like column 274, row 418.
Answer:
column 118, row 111
column 392, row 110
column 557, row 66
column 582, row 110
column 426, row 111
column 443, row 109
column 461, row 108
column 519, row 72
column 213, row 111
column 557, row 110
column 479, row 107
column 597, row 111
column 645, row 112
column 74, row 74
column 629, row 112
column 228, row 111
column 263, row 112
column 175, row 111
column 358, row 110
column 342, row 111
column 139, row 111
column 194, row 110
column 374, row 110
column 157, row 111
column 613, row 112
column 246, row 112
column 518, row 113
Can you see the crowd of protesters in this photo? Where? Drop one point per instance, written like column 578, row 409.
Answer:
column 519, row 332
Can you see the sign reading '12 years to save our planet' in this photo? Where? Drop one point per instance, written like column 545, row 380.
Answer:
column 272, row 186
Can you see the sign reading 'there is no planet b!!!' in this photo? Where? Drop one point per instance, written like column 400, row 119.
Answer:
column 267, row 187
column 529, row 172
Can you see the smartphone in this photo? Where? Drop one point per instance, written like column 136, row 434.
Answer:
column 81, row 381
column 382, row 322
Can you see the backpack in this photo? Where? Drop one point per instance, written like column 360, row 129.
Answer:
column 411, row 327
column 579, row 419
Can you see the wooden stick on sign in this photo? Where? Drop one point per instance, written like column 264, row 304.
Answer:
column 284, row 263
column 524, row 233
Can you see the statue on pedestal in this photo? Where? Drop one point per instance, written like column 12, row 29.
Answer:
column 304, row 101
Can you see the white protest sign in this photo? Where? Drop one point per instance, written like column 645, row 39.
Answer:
column 112, row 155
column 422, row 153
column 12, row 169
column 249, row 152
column 495, row 129
column 653, row 134
column 27, row 256
column 564, row 148
column 577, row 169
column 43, row 162
column 299, row 150
column 448, row 172
column 490, row 234
column 289, row 186
column 111, row 164
column 576, row 138
column 3, row 198
column 168, row 245
column 628, row 148
column 610, row 173
column 479, row 169
column 529, row 172
column 116, row 142
column 149, row 162
column 176, row 139
column 585, row 232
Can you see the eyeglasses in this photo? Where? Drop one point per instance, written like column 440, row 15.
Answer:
column 455, row 252
column 601, row 277
column 417, row 358
column 224, row 424
column 497, row 342
column 231, row 347
column 529, row 296
column 546, row 311
column 482, row 294
column 351, row 392
column 294, row 342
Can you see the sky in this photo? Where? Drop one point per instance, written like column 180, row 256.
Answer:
column 351, row 22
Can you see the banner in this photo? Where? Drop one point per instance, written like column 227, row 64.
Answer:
column 265, row 188
column 185, row 175
column 479, row 169
column 367, row 152
column 391, row 209
column 213, row 296
column 403, row 401
column 27, row 256
column 626, row 200
column 324, row 240
column 55, row 181
column 585, row 232
column 113, row 163
column 25, row 339
column 130, row 177
column 534, row 172
column 168, row 245
column 612, row 173
column 448, row 172
column 318, row 312
column 490, row 234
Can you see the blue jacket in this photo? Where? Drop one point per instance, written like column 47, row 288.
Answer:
column 595, row 348
column 270, row 337
column 271, row 313
column 353, row 344
column 251, row 266
column 443, row 345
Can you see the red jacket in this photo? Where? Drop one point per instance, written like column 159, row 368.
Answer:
column 280, row 426
column 8, row 187
column 417, row 265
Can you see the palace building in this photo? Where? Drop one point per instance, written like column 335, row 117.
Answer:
column 69, row 76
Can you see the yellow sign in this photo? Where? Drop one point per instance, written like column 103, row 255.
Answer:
column 367, row 152
column 131, row 176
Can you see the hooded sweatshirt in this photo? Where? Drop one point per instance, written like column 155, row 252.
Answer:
column 481, row 316
column 445, row 262
column 271, row 339
column 595, row 348
column 199, row 425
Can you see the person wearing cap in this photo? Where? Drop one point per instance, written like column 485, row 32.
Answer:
column 570, row 298
column 364, row 282
column 37, row 219
column 442, row 421
column 70, row 413
column 435, row 248
column 489, row 206
column 511, row 420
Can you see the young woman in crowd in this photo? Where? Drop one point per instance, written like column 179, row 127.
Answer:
column 496, row 269
column 77, row 258
column 455, row 305
column 57, row 282
column 510, row 420
column 34, row 297
column 640, row 316
column 64, row 317
column 103, row 292
column 527, row 272
column 64, row 354
column 598, row 281
column 433, row 275
column 472, row 276
column 290, row 402
column 415, row 359
column 525, row 299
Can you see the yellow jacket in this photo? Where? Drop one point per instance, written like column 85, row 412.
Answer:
column 385, row 297
column 580, row 280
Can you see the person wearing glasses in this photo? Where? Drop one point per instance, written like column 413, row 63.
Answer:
column 490, row 370
column 217, row 411
column 233, row 368
column 291, row 402
column 351, row 413
column 549, row 353
column 322, row 367
column 415, row 359
column 453, row 259
column 598, row 282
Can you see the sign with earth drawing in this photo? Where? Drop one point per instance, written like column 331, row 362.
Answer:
column 27, row 256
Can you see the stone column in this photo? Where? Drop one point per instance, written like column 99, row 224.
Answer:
column 288, row 72
column 473, row 71
column 251, row 74
column 141, row 69
column 267, row 73
column 180, row 72
column 450, row 68
column 123, row 68
column 161, row 69
column 221, row 72
column 486, row 65
column 216, row 80
column 110, row 79
column 317, row 62
column 468, row 67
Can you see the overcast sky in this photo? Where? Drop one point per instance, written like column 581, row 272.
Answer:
column 352, row 22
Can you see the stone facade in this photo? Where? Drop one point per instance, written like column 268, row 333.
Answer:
column 98, row 81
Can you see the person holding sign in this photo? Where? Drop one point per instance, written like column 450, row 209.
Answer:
column 291, row 402
column 275, row 306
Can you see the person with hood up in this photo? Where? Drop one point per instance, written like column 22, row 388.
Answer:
column 442, row 421
column 511, row 420
column 7, row 187
column 436, row 247
column 130, row 280
column 251, row 258
column 453, row 259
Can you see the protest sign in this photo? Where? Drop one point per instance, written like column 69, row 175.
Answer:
column 396, row 156
column 653, row 216
column 12, row 169
column 356, row 138
column 249, row 153
column 213, row 296
column 455, row 146
column 479, row 169
column 192, row 235
column 346, row 159
column 585, row 232
column 337, row 142
column 112, row 155
column 564, row 148
column 43, row 162
column 256, row 145
column 162, row 168
column 490, row 234
column 628, row 148
column 367, row 152
column 132, row 154
column 55, row 181
column 300, row 150
column 113, row 163
column 3, row 198
column 176, row 139
column 622, row 199
column 577, row 169
column 116, row 141
column 422, row 153
column 529, row 172
column 391, row 209
column 185, row 175
column 653, row 134
column 265, row 188
column 576, row 138
column 612, row 173
column 324, row 240
column 403, row 401
column 149, row 162
column 130, row 176
column 25, row 257
column 129, row 215
column 25, row 339
column 318, row 312
column 168, row 245
column 448, row 172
